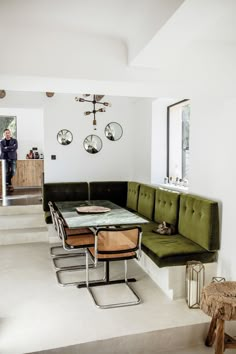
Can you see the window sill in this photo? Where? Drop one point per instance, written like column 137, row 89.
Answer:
column 174, row 188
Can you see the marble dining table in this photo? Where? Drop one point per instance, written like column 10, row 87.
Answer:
column 114, row 217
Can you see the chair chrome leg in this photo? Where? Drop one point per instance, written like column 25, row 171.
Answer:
column 60, row 247
column 52, row 254
column 74, row 268
column 71, row 256
column 82, row 283
column 59, row 272
column 126, row 270
column 121, row 304
column 87, row 267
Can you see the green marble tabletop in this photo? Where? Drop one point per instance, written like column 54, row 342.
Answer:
column 116, row 216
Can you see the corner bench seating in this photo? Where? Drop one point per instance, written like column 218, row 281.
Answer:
column 196, row 218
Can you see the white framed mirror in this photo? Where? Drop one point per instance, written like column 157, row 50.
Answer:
column 64, row 137
column 92, row 144
column 113, row 131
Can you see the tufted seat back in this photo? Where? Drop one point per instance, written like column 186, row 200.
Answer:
column 166, row 206
column 146, row 201
column 70, row 191
column 114, row 191
column 198, row 221
column 132, row 195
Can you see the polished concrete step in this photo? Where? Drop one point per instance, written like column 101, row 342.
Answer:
column 178, row 340
column 12, row 222
column 21, row 209
column 22, row 224
column 25, row 235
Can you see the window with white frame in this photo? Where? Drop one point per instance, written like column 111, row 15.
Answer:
column 178, row 127
column 8, row 122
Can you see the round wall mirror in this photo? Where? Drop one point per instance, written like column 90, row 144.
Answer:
column 64, row 137
column 92, row 144
column 113, row 131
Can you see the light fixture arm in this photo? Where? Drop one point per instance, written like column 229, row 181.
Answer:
column 94, row 111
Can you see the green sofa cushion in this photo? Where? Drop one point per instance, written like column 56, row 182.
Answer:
column 132, row 197
column 174, row 250
column 146, row 201
column 199, row 221
column 166, row 206
column 148, row 227
column 165, row 245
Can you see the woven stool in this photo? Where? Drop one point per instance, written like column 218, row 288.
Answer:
column 218, row 300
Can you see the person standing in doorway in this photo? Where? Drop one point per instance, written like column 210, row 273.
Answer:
column 9, row 147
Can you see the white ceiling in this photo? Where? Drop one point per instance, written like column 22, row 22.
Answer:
column 192, row 31
column 169, row 45
column 116, row 19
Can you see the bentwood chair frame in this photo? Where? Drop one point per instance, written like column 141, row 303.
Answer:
column 114, row 244
column 69, row 232
column 53, row 248
column 71, row 243
column 58, row 247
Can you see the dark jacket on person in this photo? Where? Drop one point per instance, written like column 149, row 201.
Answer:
column 9, row 151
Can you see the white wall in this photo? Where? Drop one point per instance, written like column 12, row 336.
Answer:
column 212, row 167
column 40, row 118
column 29, row 115
column 212, row 145
column 119, row 160
column 141, row 131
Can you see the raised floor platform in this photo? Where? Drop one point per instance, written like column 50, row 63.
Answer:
column 171, row 280
column 41, row 316
column 33, row 306
column 22, row 224
column 22, row 196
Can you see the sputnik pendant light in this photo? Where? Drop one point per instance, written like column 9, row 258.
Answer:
column 96, row 100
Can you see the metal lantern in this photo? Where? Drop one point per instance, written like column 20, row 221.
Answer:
column 217, row 280
column 195, row 280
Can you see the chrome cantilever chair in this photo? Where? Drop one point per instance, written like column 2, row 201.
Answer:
column 118, row 244
column 52, row 212
column 72, row 242
column 69, row 232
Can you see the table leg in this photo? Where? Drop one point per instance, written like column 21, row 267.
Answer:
column 107, row 272
column 219, row 343
column 211, row 333
column 106, row 280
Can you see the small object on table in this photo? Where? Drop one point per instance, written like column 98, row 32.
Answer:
column 36, row 155
column 30, row 155
column 92, row 209
column 218, row 300
column 166, row 180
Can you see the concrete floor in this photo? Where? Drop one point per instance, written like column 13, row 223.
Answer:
column 36, row 314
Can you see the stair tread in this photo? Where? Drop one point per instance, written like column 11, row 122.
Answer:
column 24, row 230
column 21, row 210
